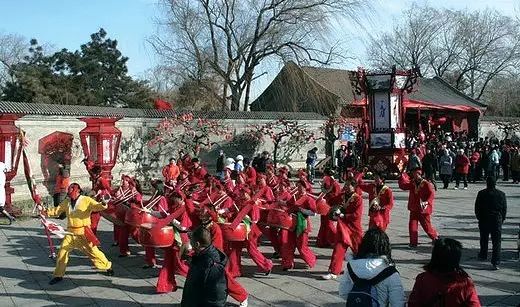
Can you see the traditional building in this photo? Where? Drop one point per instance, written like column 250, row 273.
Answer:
column 328, row 91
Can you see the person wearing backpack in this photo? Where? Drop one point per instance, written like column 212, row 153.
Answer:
column 444, row 282
column 371, row 278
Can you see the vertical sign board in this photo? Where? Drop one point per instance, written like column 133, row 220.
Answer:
column 394, row 111
column 381, row 111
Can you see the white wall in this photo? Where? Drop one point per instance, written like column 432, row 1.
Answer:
column 37, row 127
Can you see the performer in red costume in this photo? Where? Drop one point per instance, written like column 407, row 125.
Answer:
column 171, row 172
column 304, row 177
column 159, row 204
column 302, row 206
column 330, row 189
column 420, row 204
column 271, row 178
column 263, row 192
column 198, row 172
column 229, row 184
column 381, row 199
column 248, row 214
column 356, row 177
column 172, row 263
column 239, row 185
column 249, row 172
column 282, row 196
column 127, row 194
column 348, row 210
column 101, row 188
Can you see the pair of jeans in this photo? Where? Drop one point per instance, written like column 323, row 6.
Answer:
column 311, row 171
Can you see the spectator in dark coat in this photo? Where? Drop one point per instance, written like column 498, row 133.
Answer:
column 505, row 160
column 430, row 167
column 490, row 210
column 444, row 282
column 206, row 284
column 220, row 164
column 261, row 163
column 414, row 162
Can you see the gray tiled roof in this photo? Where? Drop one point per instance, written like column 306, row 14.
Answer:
column 438, row 91
column 336, row 81
column 93, row 111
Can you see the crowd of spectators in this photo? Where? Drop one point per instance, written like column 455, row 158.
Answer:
column 459, row 158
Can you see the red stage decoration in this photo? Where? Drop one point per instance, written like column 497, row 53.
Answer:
column 100, row 142
column 55, row 148
column 384, row 113
column 10, row 152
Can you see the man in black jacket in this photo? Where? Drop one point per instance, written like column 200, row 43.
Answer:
column 430, row 166
column 206, row 284
column 490, row 210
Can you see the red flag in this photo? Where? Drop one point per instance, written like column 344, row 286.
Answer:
column 160, row 104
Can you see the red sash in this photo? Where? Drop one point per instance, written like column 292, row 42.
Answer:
column 90, row 236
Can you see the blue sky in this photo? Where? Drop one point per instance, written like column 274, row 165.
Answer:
column 68, row 23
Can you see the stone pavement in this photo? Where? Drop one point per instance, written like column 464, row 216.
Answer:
column 25, row 269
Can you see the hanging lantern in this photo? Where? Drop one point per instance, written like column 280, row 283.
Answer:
column 10, row 152
column 100, row 142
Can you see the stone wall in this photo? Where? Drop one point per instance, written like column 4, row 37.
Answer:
column 133, row 149
column 488, row 128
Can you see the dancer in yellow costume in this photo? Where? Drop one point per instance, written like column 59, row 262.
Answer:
column 78, row 208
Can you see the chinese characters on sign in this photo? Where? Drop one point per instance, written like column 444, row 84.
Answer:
column 381, row 111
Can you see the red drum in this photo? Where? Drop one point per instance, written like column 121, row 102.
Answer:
column 111, row 215
column 279, row 218
column 135, row 217
column 322, row 208
column 157, row 237
column 238, row 234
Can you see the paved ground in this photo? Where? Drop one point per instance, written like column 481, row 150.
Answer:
column 25, row 269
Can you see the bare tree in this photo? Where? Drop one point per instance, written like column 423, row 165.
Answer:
column 227, row 39
column 468, row 49
column 12, row 50
column 409, row 42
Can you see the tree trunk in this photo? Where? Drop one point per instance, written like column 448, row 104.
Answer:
column 235, row 98
column 248, row 91
column 275, row 153
column 224, row 97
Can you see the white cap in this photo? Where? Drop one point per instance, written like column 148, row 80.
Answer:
column 239, row 158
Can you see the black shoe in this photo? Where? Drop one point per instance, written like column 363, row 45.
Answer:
column 150, row 266
column 267, row 273
column 412, row 245
column 275, row 255
column 496, row 267
column 110, row 272
column 124, row 255
column 55, row 280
